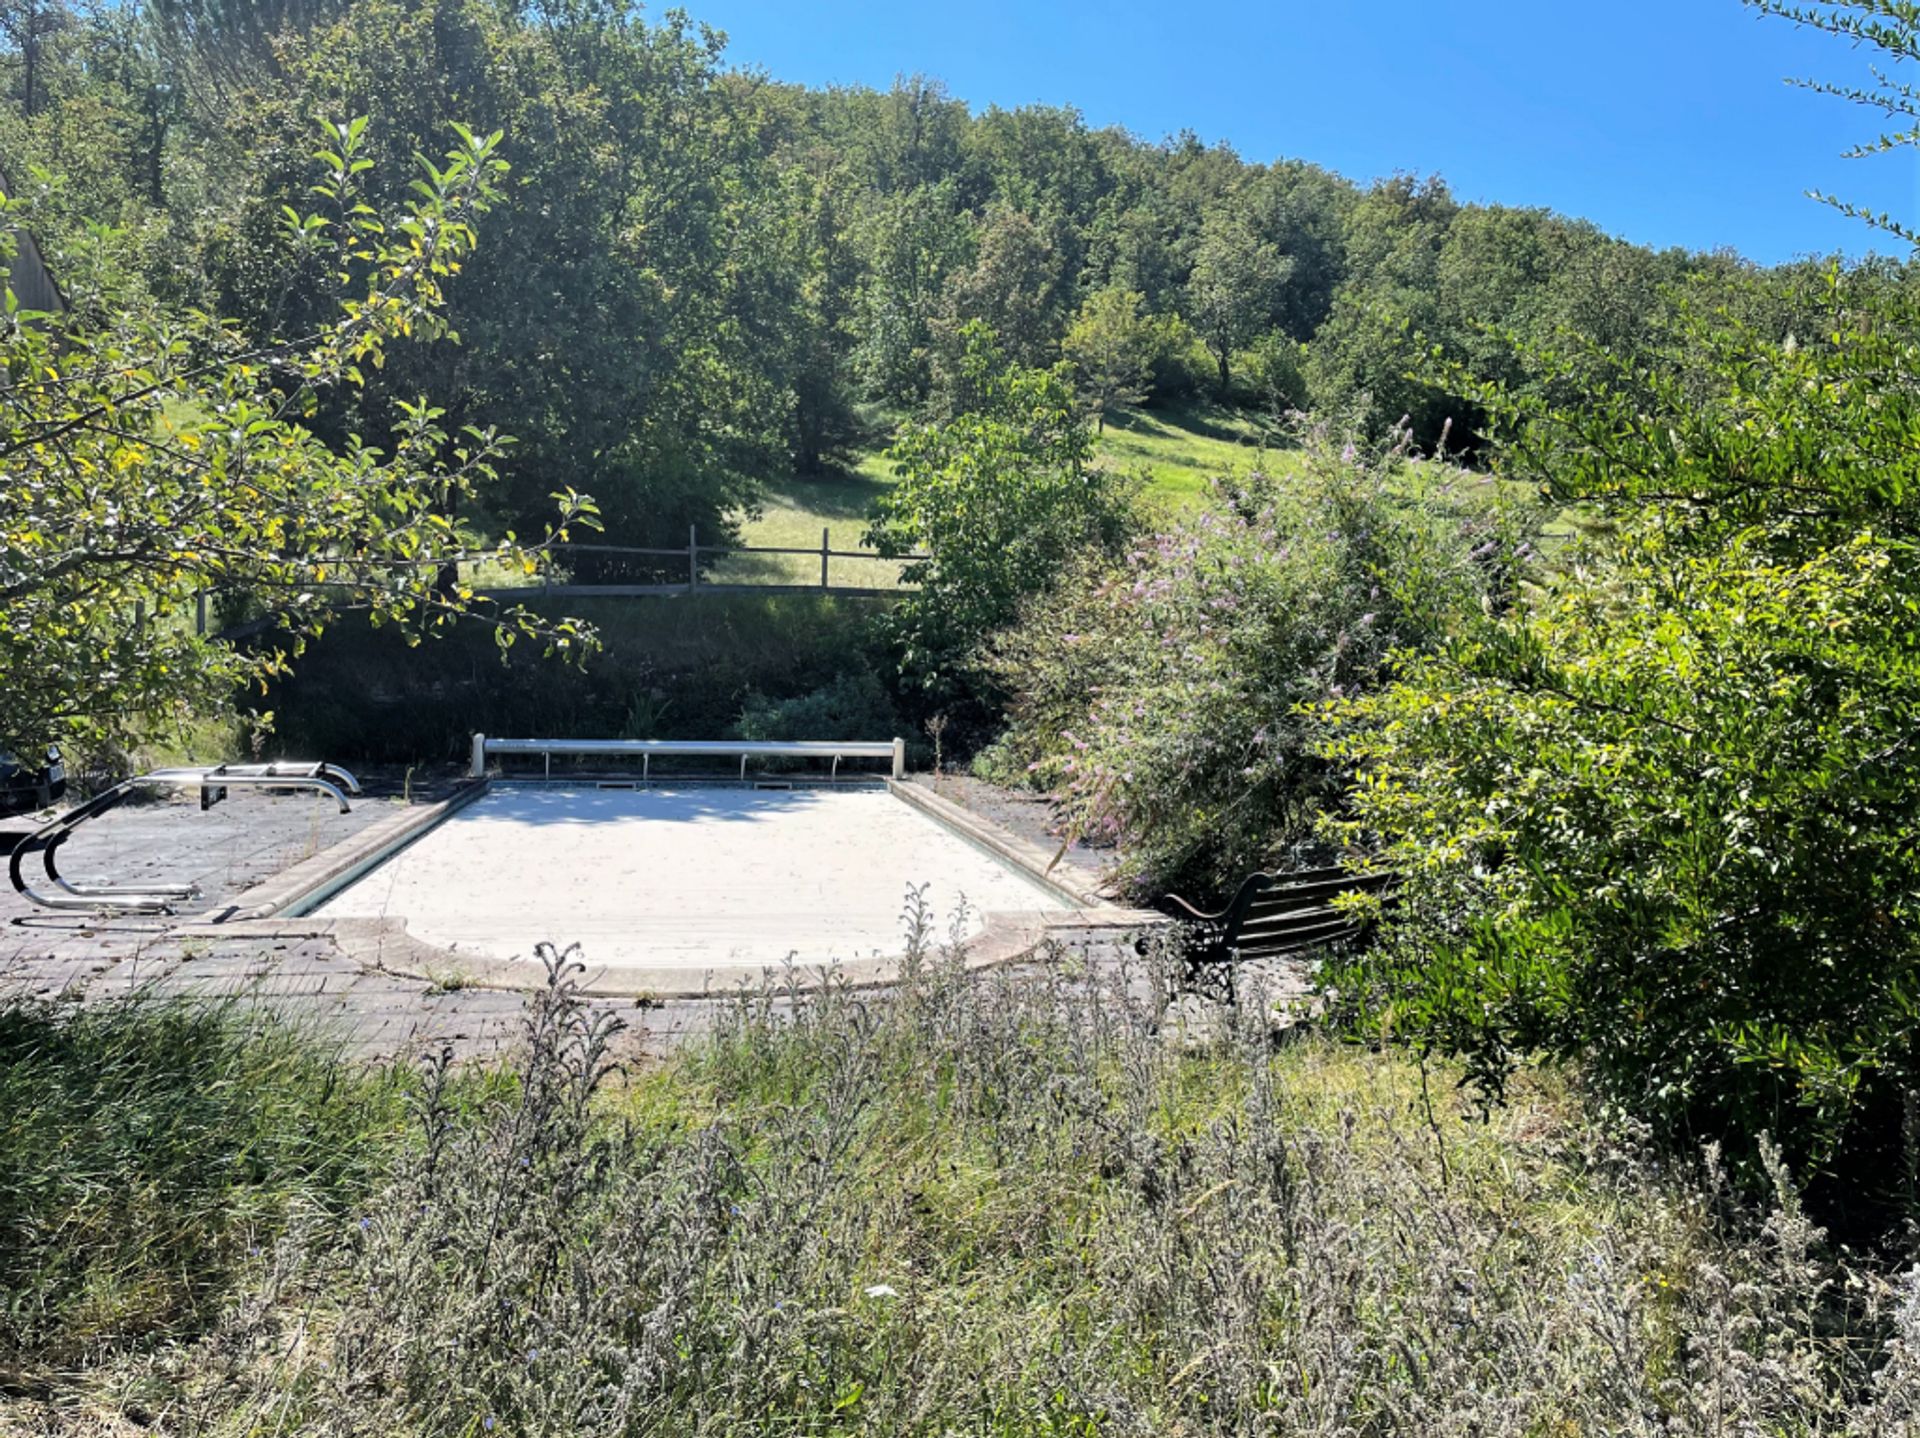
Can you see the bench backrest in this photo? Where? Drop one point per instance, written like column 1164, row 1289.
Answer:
column 1286, row 913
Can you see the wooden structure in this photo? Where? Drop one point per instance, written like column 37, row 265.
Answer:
column 694, row 554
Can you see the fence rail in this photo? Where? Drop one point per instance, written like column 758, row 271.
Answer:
column 693, row 552
column 895, row 750
column 547, row 586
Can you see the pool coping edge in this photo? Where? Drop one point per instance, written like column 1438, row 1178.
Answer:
column 279, row 908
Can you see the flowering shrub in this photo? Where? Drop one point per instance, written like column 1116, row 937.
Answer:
column 1165, row 699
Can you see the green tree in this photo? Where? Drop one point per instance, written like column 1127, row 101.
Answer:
column 151, row 457
column 998, row 496
column 1659, row 819
column 1111, row 347
column 1276, row 371
column 1237, row 278
column 1012, row 286
column 638, row 315
column 910, row 243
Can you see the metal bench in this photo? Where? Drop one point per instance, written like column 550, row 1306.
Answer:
column 1271, row 916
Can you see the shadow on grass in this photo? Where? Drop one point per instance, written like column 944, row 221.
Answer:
column 1187, row 421
column 837, row 494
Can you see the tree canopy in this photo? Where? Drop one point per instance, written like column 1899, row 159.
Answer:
column 153, row 460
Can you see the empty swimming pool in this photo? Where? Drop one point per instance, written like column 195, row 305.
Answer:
column 725, row 880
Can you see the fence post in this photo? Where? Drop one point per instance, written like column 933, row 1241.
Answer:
column 693, row 557
column 823, row 558
column 478, row 768
column 899, row 758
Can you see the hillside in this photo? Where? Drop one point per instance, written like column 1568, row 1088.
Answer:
column 1178, row 450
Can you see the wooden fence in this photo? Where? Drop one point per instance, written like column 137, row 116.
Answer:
column 692, row 555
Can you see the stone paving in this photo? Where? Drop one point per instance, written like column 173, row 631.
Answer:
column 307, row 979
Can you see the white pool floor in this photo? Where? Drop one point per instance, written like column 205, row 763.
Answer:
column 685, row 878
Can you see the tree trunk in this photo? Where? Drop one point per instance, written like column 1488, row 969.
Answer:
column 1226, row 380
column 156, row 176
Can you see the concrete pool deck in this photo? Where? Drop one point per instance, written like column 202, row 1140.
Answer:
column 687, row 889
column 381, row 992
column 699, row 905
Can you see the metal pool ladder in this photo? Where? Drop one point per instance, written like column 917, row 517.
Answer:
column 212, row 780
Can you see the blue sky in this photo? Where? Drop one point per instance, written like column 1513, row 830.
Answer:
column 1670, row 124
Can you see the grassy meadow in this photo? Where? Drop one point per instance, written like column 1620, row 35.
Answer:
column 972, row 1205
column 1176, row 450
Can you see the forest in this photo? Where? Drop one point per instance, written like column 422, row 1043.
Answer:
column 700, row 280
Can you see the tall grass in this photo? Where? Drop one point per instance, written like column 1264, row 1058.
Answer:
column 1009, row 1205
column 146, row 1147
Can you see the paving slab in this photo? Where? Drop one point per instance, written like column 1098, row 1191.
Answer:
column 359, row 993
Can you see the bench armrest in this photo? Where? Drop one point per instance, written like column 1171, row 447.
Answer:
column 1181, row 909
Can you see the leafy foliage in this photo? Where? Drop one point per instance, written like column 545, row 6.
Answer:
column 1233, row 287
column 1167, row 699
column 1659, row 819
column 636, row 318
column 150, row 458
column 1111, row 348
column 706, row 278
column 998, row 498
column 852, row 705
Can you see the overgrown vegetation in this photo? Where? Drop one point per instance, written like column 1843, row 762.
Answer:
column 151, row 457
column 147, row 1149
column 1648, row 782
column 1168, row 697
column 665, row 669
column 1000, row 496
column 1000, row 1206
column 1660, row 817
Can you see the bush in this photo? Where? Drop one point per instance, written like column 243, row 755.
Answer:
column 854, row 705
column 1661, row 819
column 1000, row 496
column 1181, row 366
column 1275, row 372
column 1166, row 699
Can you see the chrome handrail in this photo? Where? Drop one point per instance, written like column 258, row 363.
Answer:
column 485, row 746
column 328, row 779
